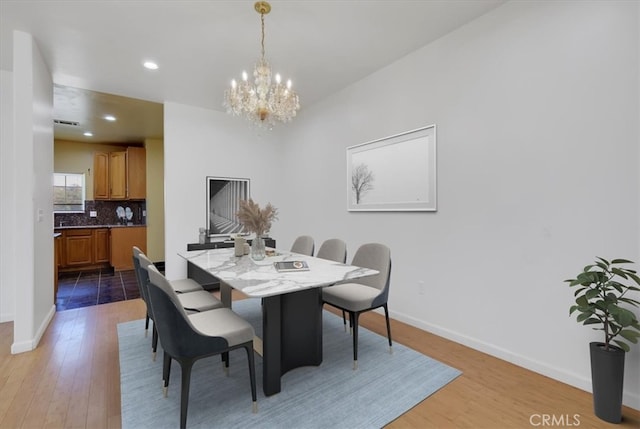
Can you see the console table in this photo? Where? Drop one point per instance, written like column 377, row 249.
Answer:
column 208, row 281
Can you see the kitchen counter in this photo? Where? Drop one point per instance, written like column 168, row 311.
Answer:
column 96, row 226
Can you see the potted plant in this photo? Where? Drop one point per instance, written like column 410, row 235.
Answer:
column 600, row 297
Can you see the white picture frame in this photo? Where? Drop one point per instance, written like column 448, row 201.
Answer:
column 395, row 173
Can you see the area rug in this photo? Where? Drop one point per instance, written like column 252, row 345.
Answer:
column 331, row 395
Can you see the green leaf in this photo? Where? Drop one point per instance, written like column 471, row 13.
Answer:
column 592, row 321
column 617, row 286
column 621, row 261
column 585, row 279
column 584, row 316
column 623, row 346
column 623, row 316
column 578, row 291
column 630, row 301
column 634, row 277
column 603, row 260
column 619, row 272
column 582, row 301
column 592, row 293
column 630, row 335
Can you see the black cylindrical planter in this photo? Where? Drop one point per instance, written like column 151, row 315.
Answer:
column 607, row 378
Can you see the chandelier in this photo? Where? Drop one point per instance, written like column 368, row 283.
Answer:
column 262, row 101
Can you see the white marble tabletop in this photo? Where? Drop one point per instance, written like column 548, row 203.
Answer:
column 261, row 279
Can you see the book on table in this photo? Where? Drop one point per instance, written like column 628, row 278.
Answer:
column 291, row 266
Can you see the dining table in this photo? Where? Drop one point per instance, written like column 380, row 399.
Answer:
column 291, row 301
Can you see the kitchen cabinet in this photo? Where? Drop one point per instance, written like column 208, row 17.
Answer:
column 101, row 176
column 136, row 173
column 77, row 247
column 117, row 175
column 120, row 175
column 122, row 242
column 83, row 248
column 101, row 245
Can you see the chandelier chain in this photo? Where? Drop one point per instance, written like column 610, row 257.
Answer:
column 262, row 42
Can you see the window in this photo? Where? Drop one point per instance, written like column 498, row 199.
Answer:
column 68, row 192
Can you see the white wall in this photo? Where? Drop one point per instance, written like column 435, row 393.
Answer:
column 7, row 201
column 32, row 181
column 200, row 143
column 536, row 105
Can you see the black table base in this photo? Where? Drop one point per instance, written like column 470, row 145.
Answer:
column 292, row 334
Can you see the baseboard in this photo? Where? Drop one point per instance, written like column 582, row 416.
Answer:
column 630, row 399
column 29, row 345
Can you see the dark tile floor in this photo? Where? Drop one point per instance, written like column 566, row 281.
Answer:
column 83, row 289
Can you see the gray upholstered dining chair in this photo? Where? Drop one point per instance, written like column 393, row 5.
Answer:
column 197, row 301
column 180, row 285
column 143, row 292
column 188, row 338
column 333, row 249
column 367, row 294
column 142, row 278
column 303, row 245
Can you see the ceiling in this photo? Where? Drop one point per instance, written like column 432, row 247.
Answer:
column 322, row 46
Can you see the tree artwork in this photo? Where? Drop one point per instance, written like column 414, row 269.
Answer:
column 361, row 181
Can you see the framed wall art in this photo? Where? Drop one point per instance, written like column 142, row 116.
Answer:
column 396, row 173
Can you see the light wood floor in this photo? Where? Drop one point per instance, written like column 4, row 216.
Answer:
column 73, row 380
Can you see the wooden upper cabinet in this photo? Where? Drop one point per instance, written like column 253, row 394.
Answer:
column 136, row 173
column 101, row 176
column 120, row 175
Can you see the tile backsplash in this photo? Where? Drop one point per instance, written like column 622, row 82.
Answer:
column 106, row 214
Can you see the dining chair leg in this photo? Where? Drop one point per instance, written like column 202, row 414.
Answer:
column 184, row 391
column 146, row 325
column 154, row 342
column 386, row 315
column 166, row 373
column 225, row 363
column 252, row 376
column 344, row 321
column 354, row 318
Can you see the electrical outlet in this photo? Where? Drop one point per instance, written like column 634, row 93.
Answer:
column 144, row 213
column 93, row 213
column 421, row 287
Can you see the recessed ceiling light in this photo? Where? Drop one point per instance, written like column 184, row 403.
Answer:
column 110, row 118
column 88, row 134
column 151, row 65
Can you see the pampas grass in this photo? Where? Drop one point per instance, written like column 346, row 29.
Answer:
column 255, row 219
